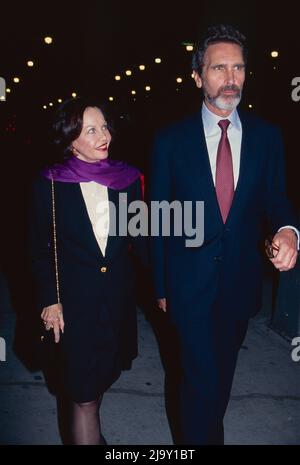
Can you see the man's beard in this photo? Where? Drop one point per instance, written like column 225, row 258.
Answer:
column 225, row 102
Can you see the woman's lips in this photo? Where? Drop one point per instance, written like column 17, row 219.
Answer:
column 102, row 148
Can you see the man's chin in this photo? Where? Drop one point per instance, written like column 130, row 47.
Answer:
column 227, row 104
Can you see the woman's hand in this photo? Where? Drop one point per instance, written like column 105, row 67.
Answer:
column 52, row 317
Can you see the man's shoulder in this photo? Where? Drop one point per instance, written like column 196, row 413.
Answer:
column 180, row 127
column 258, row 123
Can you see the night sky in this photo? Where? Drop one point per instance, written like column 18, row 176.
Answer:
column 94, row 40
column 97, row 39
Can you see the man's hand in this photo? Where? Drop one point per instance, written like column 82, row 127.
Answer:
column 286, row 257
column 52, row 317
column 162, row 304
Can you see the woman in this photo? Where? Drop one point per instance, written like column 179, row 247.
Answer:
column 83, row 270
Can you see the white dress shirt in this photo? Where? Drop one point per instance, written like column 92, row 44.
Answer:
column 213, row 135
column 96, row 200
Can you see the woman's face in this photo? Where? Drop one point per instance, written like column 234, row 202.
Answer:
column 92, row 144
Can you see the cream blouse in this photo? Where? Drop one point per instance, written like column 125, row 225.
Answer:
column 96, row 200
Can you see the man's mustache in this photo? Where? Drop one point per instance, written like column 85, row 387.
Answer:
column 231, row 87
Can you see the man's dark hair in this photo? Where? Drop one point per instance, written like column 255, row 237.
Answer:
column 213, row 35
column 67, row 124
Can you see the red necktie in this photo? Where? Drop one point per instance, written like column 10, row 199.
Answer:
column 224, row 172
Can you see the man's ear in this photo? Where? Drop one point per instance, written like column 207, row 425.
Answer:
column 198, row 80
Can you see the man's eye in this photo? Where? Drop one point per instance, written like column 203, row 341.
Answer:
column 91, row 131
column 104, row 127
column 219, row 67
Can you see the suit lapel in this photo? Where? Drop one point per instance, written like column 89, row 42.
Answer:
column 248, row 164
column 83, row 223
column 202, row 169
column 201, row 165
column 113, row 238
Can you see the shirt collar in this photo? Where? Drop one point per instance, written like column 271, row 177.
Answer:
column 210, row 120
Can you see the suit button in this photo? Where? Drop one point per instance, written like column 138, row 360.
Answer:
column 103, row 269
column 218, row 258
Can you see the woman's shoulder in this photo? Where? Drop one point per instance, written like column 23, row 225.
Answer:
column 41, row 186
column 136, row 188
column 40, row 181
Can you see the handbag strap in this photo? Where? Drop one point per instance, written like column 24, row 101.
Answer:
column 54, row 240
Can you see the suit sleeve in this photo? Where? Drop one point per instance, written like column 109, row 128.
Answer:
column 278, row 208
column 41, row 252
column 160, row 190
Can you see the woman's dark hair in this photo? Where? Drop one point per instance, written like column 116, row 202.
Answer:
column 213, row 35
column 68, row 120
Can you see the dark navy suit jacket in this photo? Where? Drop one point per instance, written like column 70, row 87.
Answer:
column 228, row 265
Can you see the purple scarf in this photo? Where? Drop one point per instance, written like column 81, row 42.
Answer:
column 110, row 173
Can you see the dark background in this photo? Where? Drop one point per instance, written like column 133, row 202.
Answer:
column 93, row 41
column 96, row 39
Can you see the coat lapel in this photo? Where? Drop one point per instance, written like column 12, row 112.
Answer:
column 200, row 165
column 202, row 170
column 248, row 164
column 112, row 240
column 78, row 210
column 83, row 223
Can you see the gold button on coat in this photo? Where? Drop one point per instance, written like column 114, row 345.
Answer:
column 103, row 269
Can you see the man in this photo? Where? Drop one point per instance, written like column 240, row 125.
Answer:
column 234, row 163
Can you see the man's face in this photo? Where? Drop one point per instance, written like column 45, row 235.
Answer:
column 222, row 78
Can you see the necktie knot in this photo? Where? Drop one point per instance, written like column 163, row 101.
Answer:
column 224, row 123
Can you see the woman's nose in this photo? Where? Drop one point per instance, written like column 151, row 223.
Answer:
column 103, row 135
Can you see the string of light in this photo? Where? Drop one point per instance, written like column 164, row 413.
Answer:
column 48, row 40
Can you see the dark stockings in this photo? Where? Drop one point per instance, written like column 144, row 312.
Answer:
column 85, row 423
